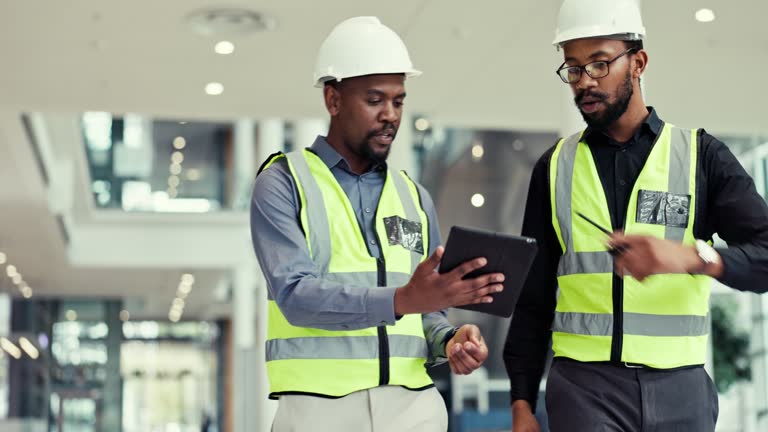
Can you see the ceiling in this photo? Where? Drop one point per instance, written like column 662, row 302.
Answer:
column 487, row 64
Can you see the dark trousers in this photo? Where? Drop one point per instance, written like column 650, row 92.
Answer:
column 597, row 397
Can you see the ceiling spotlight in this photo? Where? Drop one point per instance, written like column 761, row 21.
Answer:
column 224, row 48
column 177, row 157
column 705, row 15
column 29, row 348
column 187, row 279
column 175, row 169
column 173, row 181
column 16, row 279
column 10, row 348
column 179, row 142
column 477, row 200
column 71, row 315
column 478, row 151
column 10, row 270
column 421, row 124
column 3, row 258
column 214, row 88
column 124, row 315
column 26, row 291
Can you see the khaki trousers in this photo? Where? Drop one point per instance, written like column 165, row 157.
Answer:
column 380, row 409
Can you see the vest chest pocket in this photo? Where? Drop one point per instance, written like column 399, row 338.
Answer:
column 663, row 208
column 405, row 233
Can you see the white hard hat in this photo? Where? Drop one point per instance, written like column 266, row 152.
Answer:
column 612, row 19
column 362, row 46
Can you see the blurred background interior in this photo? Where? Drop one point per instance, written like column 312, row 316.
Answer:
column 131, row 132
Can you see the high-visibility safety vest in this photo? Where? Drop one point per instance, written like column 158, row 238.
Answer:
column 337, row 363
column 663, row 322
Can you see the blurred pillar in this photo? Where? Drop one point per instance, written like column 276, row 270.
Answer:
column 306, row 130
column 253, row 411
column 402, row 156
column 244, row 162
column 270, row 139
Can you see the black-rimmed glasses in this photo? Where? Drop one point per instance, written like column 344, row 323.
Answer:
column 595, row 70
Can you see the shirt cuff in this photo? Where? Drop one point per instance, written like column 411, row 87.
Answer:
column 381, row 306
column 734, row 266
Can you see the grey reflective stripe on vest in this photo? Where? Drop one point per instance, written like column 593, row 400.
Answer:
column 317, row 217
column 679, row 174
column 592, row 324
column 344, row 347
column 367, row 279
column 585, row 263
column 564, row 189
column 362, row 279
column 409, row 207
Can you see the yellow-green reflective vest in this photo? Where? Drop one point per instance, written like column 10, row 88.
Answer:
column 337, row 363
column 665, row 319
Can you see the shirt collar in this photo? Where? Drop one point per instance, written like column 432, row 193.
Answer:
column 332, row 158
column 652, row 124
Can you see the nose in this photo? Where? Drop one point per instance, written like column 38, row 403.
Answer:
column 585, row 81
column 389, row 113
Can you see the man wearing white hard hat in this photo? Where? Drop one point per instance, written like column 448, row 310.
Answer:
column 349, row 248
column 624, row 213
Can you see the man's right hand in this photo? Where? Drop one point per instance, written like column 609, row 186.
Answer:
column 522, row 418
column 429, row 291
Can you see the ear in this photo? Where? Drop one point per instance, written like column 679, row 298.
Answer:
column 639, row 63
column 332, row 98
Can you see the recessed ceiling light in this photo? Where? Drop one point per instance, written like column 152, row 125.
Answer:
column 26, row 291
column 71, row 315
column 125, row 315
column 173, row 181
column 16, row 278
column 214, row 88
column 477, row 200
column 421, row 124
column 187, row 279
column 3, row 258
column 705, row 15
column 10, row 270
column 478, row 151
column 177, row 157
column 179, row 142
column 224, row 48
column 175, row 169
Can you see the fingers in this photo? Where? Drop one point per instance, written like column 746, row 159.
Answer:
column 462, row 362
column 478, row 351
column 482, row 281
column 433, row 261
column 468, row 267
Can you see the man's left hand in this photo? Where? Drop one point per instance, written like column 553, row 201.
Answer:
column 643, row 256
column 466, row 350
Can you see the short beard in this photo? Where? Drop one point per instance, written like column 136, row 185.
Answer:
column 613, row 111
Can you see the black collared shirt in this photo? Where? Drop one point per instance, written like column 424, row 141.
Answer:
column 727, row 204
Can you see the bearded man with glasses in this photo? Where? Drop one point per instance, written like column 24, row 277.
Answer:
column 627, row 313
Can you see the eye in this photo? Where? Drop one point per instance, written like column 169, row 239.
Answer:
column 374, row 101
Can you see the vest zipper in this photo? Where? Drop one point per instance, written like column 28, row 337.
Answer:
column 617, row 341
column 382, row 330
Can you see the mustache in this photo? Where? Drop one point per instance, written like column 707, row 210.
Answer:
column 387, row 128
column 596, row 95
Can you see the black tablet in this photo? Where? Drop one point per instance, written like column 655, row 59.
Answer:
column 507, row 254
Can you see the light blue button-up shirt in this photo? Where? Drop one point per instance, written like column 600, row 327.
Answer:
column 294, row 282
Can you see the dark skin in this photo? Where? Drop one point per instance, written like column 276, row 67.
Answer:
column 644, row 256
column 365, row 115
